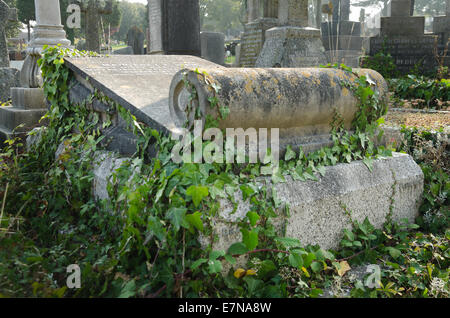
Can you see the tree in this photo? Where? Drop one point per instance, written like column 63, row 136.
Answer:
column 12, row 28
column 26, row 13
column 133, row 15
column 221, row 16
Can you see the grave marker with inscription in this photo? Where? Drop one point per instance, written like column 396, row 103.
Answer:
column 403, row 37
column 441, row 25
column 174, row 27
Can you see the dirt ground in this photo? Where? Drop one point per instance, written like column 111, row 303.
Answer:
column 433, row 121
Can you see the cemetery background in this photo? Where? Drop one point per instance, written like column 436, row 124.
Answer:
column 306, row 272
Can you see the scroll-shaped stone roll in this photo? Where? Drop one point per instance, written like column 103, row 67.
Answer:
column 300, row 102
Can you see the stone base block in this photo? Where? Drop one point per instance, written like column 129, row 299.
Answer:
column 28, row 98
column 9, row 77
column 402, row 26
column 349, row 58
column 292, row 47
column 341, row 28
column 343, row 42
column 11, row 117
column 317, row 208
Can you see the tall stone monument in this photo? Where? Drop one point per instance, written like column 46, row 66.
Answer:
column 341, row 37
column 28, row 103
column 93, row 9
column 441, row 25
column 252, row 41
column 174, row 27
column 292, row 43
column 403, row 37
column 135, row 39
column 9, row 77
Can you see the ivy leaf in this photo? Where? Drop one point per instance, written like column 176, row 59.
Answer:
column 198, row 193
column 177, row 216
column 395, row 253
column 295, row 260
column 237, row 249
column 290, row 154
column 288, row 242
column 195, row 220
column 369, row 163
column 198, row 262
column 253, row 218
column 250, row 239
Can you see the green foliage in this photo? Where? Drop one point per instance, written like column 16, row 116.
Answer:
column 431, row 152
column 154, row 236
column 419, row 87
column 383, row 63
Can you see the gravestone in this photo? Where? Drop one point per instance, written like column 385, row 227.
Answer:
column 9, row 77
column 174, row 27
column 342, row 38
column 213, row 46
column 140, row 83
column 135, row 39
column 441, row 25
column 254, row 36
column 292, row 43
column 403, row 37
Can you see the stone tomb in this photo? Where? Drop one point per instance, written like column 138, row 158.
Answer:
column 143, row 84
column 403, row 37
column 213, row 46
column 140, row 83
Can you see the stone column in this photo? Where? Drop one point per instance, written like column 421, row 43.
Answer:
column 48, row 31
column 447, row 9
column 318, row 5
column 253, row 7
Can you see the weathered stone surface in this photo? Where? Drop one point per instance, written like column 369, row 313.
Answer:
column 11, row 117
column 253, row 39
column 317, row 215
column 300, row 102
column 341, row 28
column 293, row 13
column 124, row 51
column 9, row 77
column 213, row 47
column 292, row 47
column 174, row 27
column 441, row 25
column 343, row 42
column 140, row 83
column 28, row 98
column 407, row 51
column 402, row 26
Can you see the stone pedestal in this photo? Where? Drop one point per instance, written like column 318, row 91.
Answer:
column 9, row 77
column 292, row 47
column 213, row 47
column 28, row 102
column 174, row 27
column 292, row 43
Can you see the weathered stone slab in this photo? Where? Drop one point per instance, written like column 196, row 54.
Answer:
column 317, row 216
column 139, row 83
column 9, row 77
